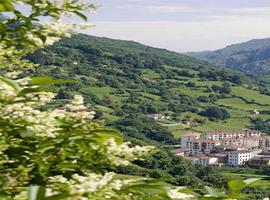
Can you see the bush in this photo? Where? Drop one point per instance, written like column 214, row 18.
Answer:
column 215, row 113
column 203, row 99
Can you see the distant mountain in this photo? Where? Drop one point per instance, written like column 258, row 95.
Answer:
column 252, row 56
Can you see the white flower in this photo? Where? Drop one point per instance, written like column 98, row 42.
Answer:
column 123, row 154
column 92, row 184
column 13, row 74
column 58, row 179
column 33, row 38
column 24, row 81
column 6, row 91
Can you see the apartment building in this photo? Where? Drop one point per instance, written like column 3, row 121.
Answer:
column 233, row 147
column 247, row 142
column 199, row 147
column 205, row 160
column 219, row 135
column 189, row 136
column 240, row 157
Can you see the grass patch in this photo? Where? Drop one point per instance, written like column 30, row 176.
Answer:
column 231, row 124
column 238, row 103
column 251, row 95
column 151, row 96
column 195, row 92
column 148, row 73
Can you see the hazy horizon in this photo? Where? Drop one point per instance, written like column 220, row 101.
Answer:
column 182, row 25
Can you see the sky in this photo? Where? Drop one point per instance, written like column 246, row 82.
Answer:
column 182, row 25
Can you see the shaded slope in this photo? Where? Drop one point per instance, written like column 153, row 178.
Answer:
column 252, row 56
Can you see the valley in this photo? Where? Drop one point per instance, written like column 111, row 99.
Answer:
column 121, row 78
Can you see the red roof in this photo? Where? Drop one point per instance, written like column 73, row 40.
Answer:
column 205, row 157
column 233, row 131
column 190, row 133
column 205, row 141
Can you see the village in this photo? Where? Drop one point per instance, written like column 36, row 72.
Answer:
column 229, row 148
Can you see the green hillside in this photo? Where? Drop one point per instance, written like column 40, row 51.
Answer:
column 123, row 78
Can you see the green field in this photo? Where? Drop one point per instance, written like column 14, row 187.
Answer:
column 239, row 104
column 251, row 95
column 195, row 92
column 263, row 179
column 148, row 73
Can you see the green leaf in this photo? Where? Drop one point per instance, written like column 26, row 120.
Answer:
column 49, row 81
column 105, row 134
column 41, row 36
column 6, row 6
column 11, row 83
column 32, row 90
column 36, row 193
column 236, row 185
column 84, row 17
column 237, row 196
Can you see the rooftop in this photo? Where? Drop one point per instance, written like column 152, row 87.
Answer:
column 175, row 151
column 220, row 155
column 205, row 157
column 240, row 151
column 190, row 133
column 233, row 131
column 231, row 147
column 205, row 141
column 244, row 138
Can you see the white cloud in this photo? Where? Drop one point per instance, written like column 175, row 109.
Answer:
column 162, row 9
column 252, row 11
column 214, row 33
column 169, row 9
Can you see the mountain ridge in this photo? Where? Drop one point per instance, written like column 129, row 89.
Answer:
column 252, row 56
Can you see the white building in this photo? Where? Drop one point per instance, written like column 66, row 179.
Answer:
column 158, row 116
column 254, row 112
column 199, row 147
column 247, row 142
column 236, row 158
column 205, row 160
column 189, row 136
column 219, row 135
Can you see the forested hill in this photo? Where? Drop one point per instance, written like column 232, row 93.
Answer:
column 252, row 56
column 122, row 79
column 126, row 81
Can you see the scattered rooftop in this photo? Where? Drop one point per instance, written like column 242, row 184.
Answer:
column 233, row 131
column 190, row 133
